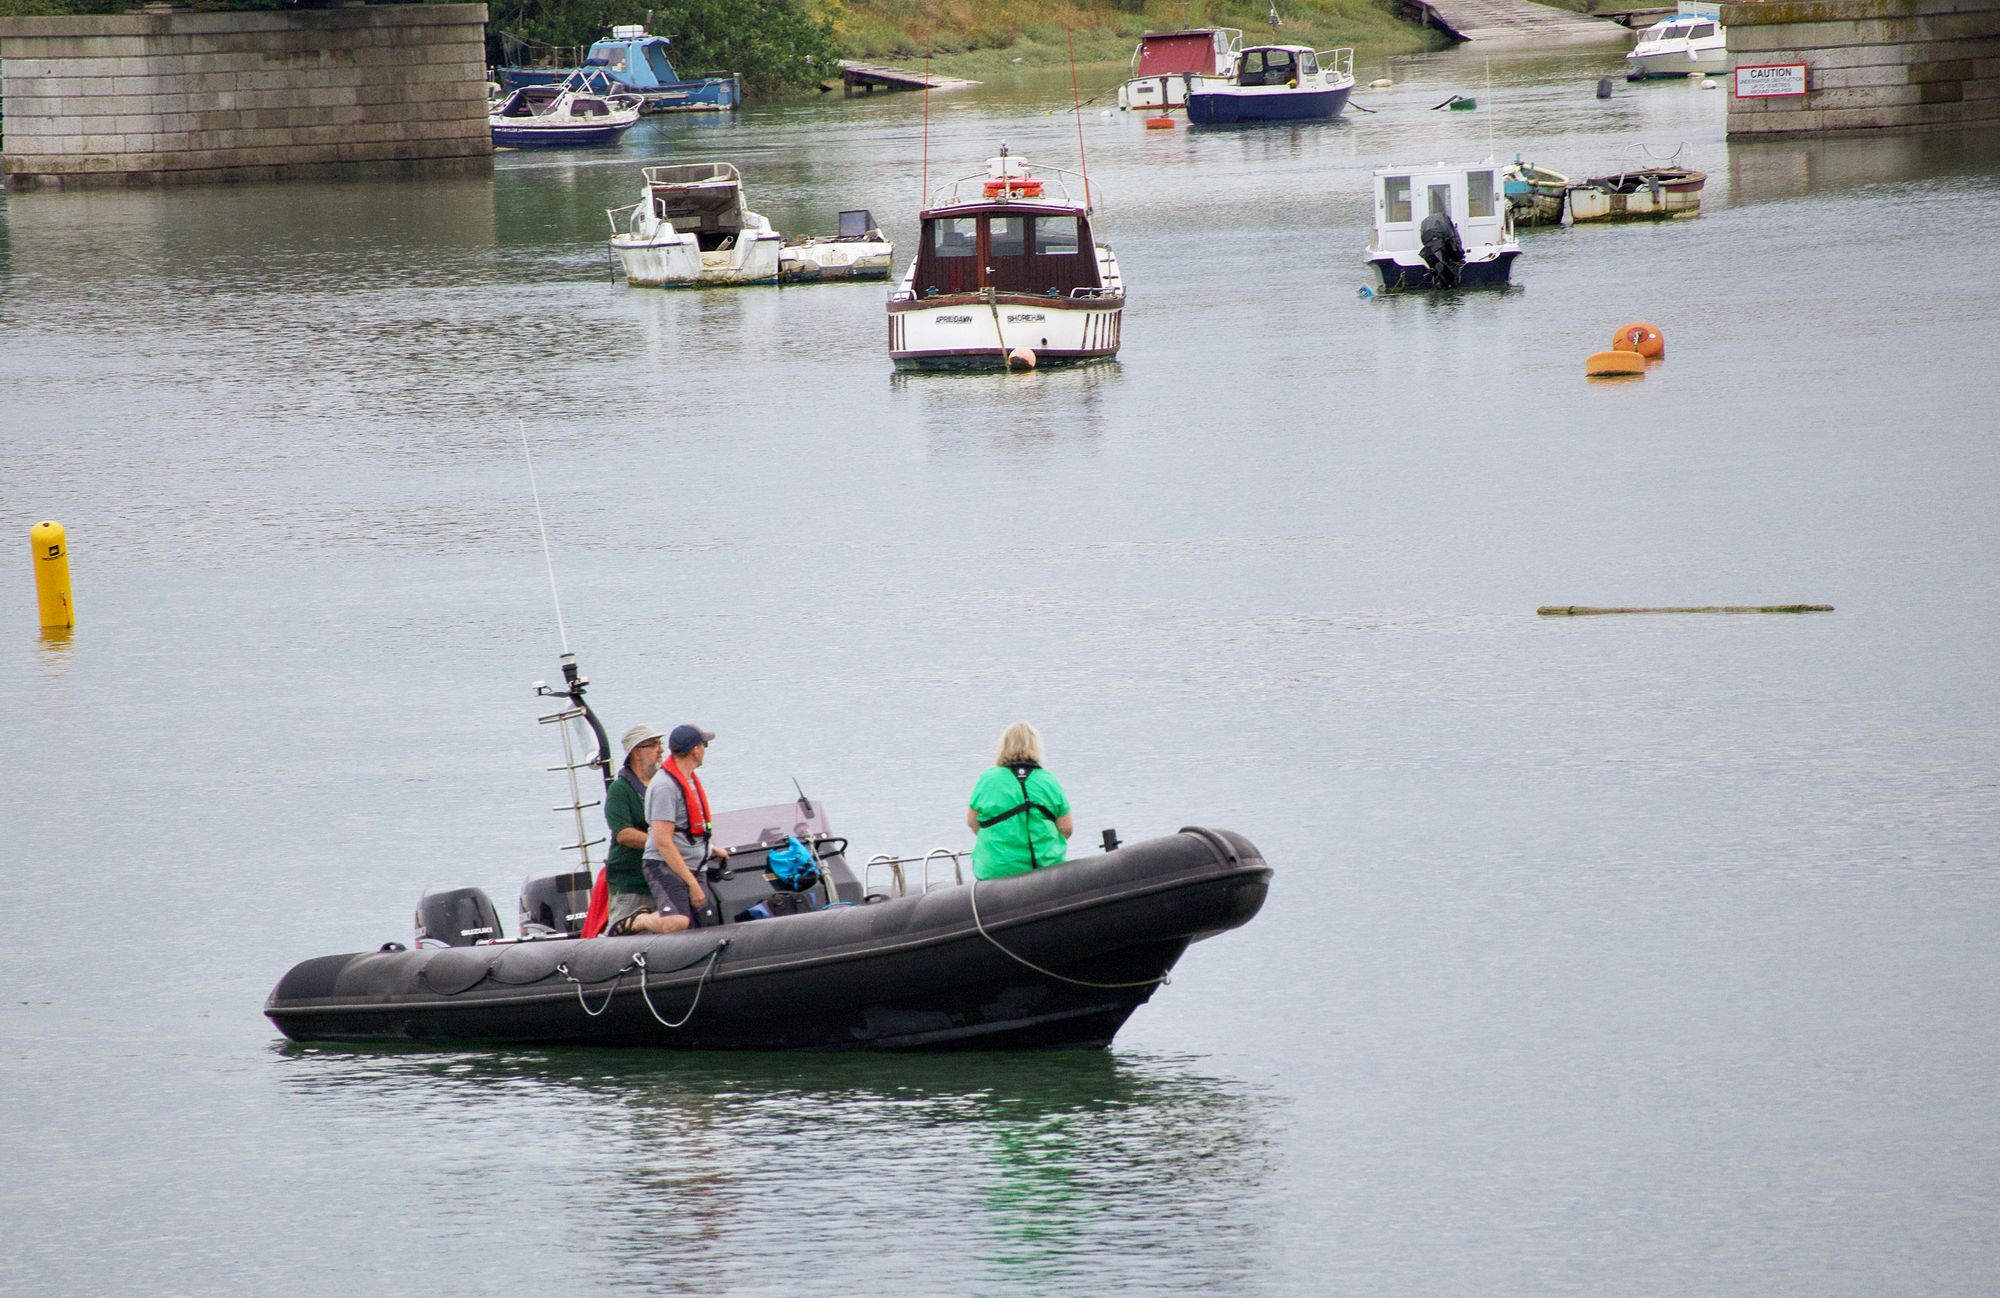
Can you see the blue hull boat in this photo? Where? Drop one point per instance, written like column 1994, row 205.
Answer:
column 1226, row 108
column 1274, row 83
column 633, row 63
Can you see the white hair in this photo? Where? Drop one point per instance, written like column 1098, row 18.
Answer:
column 1019, row 742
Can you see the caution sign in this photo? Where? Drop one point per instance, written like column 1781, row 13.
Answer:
column 1770, row 80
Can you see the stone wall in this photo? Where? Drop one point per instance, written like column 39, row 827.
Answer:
column 148, row 98
column 1870, row 64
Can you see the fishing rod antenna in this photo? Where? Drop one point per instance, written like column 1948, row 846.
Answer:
column 562, row 632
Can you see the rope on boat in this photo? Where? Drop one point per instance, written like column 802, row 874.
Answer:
column 638, row 961
column 639, row 958
column 979, row 924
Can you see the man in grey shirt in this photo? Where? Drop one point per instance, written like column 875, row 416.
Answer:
column 677, row 844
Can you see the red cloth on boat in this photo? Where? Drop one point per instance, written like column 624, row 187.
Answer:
column 1179, row 52
column 599, row 913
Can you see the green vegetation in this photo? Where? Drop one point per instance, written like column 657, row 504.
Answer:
column 793, row 44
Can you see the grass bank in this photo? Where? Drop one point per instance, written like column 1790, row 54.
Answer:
column 980, row 38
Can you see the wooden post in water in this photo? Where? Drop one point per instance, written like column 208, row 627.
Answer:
column 1585, row 610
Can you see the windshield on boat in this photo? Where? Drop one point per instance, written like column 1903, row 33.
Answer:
column 1266, row 67
column 1044, row 253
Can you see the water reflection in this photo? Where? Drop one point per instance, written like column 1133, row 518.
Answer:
column 1017, row 1174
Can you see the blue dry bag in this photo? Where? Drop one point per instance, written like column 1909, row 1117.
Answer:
column 795, row 865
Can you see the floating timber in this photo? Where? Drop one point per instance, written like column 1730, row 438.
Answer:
column 867, row 78
column 1584, row 610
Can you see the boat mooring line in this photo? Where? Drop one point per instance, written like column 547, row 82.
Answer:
column 977, row 923
column 639, row 958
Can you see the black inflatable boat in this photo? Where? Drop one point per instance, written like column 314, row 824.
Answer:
column 1058, row 958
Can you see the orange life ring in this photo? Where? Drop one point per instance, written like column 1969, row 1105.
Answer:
column 1641, row 338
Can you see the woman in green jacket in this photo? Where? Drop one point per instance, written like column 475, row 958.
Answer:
column 1020, row 811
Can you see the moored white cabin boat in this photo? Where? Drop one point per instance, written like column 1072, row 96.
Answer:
column 691, row 227
column 1442, row 226
column 1011, row 265
column 1274, row 83
column 555, row 117
column 1693, row 40
column 1164, row 61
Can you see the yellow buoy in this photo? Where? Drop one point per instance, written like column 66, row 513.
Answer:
column 1641, row 338
column 50, row 545
column 1614, row 365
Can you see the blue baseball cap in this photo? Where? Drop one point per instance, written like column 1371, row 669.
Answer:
column 686, row 738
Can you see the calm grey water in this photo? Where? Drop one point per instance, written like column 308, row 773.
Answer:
column 1619, row 956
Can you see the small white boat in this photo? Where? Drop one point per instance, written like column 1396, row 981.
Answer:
column 1164, row 61
column 1442, row 226
column 1644, row 194
column 691, row 227
column 1693, row 40
column 859, row 251
column 559, row 117
column 1007, row 271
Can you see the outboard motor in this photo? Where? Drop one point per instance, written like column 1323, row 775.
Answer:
column 555, row 905
column 1443, row 252
column 456, row 917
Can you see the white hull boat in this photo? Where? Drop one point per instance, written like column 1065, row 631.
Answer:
column 1693, row 40
column 691, row 229
column 1442, row 227
column 1648, row 194
column 1011, row 276
column 859, row 251
column 1165, row 62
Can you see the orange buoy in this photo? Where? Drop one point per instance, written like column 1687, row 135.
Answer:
column 1614, row 364
column 1641, row 338
column 1159, row 123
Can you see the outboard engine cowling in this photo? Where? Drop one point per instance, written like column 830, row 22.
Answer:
column 1443, row 251
column 456, row 917
column 555, row 904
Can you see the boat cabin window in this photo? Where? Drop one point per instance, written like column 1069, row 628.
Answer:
column 1396, row 198
column 1267, row 68
column 1007, row 236
column 614, row 58
column 663, row 71
column 1308, row 65
column 1012, row 251
column 1055, row 236
column 1478, row 193
column 956, row 236
column 1700, row 30
column 1440, row 200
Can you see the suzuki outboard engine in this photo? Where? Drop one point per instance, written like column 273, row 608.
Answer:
column 555, row 905
column 1443, row 251
column 456, row 917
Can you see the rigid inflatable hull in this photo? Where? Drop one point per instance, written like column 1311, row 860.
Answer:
column 909, row 974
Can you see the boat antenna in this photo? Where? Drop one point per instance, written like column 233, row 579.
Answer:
column 1083, row 163
column 562, row 631
column 805, row 803
column 1489, row 110
column 924, row 199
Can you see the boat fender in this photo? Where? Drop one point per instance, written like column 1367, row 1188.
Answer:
column 1641, row 338
column 1614, row 364
column 1293, row 84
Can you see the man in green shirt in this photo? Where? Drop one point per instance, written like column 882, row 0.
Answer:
column 632, row 907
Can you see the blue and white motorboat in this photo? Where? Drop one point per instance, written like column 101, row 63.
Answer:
column 1274, row 83
column 633, row 62
column 1442, row 226
column 559, row 117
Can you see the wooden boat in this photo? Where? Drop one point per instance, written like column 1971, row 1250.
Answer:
column 691, row 228
column 1442, row 227
column 859, row 250
column 1645, row 194
column 1538, row 195
column 559, row 117
column 1165, row 62
column 1007, row 267
column 1274, row 83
